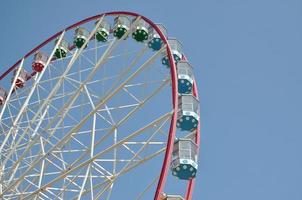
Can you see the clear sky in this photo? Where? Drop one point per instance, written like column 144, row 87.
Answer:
column 247, row 61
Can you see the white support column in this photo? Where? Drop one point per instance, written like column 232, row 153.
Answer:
column 84, row 182
column 43, row 163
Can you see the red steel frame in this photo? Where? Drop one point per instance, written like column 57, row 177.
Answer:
column 173, row 71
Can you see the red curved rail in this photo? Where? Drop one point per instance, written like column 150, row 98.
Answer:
column 173, row 72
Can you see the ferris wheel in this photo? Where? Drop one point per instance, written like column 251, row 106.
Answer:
column 104, row 109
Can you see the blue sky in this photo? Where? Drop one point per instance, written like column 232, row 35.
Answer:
column 247, row 61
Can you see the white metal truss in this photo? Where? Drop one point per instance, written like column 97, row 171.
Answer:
column 86, row 121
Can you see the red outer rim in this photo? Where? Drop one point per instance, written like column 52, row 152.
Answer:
column 173, row 71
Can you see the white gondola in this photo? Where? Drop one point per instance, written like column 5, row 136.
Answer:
column 3, row 95
column 187, row 118
column 40, row 60
column 185, row 77
column 184, row 159
column 61, row 51
column 21, row 79
column 171, row 197
column 176, row 49
column 121, row 26
column 140, row 30
column 155, row 42
column 103, row 31
column 81, row 36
